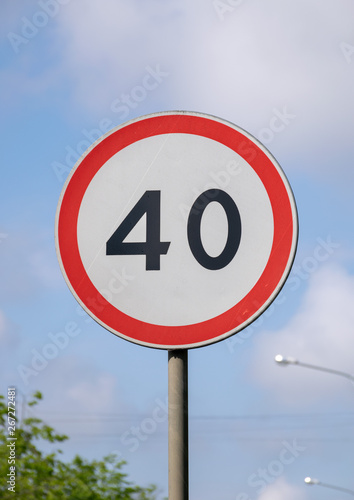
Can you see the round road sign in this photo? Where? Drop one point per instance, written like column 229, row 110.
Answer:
column 176, row 230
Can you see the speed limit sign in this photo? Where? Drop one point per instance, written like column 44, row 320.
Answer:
column 176, row 230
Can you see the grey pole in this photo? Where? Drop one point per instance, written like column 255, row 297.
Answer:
column 178, row 477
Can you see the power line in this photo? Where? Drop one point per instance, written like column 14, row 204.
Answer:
column 61, row 416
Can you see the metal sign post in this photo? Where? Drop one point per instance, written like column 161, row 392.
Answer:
column 178, row 479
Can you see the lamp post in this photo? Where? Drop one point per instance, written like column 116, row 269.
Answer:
column 310, row 480
column 281, row 360
column 285, row 361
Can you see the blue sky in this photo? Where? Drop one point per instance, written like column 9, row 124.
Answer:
column 69, row 71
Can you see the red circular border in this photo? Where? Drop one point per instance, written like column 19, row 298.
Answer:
column 197, row 334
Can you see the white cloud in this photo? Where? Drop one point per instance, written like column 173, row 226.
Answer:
column 240, row 68
column 82, row 385
column 256, row 60
column 28, row 266
column 94, row 395
column 280, row 489
column 108, row 45
column 321, row 333
column 45, row 270
column 261, row 57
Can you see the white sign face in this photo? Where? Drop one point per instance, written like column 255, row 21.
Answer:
column 176, row 230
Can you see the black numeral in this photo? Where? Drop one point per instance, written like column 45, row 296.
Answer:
column 194, row 227
column 152, row 248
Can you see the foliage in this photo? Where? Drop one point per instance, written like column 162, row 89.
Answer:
column 44, row 476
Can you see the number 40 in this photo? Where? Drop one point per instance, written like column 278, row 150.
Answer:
column 153, row 248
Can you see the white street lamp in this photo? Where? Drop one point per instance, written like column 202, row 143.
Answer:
column 281, row 360
column 310, row 480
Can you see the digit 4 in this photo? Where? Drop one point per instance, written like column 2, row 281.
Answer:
column 152, row 248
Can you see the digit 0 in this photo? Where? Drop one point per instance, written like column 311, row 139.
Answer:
column 194, row 229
